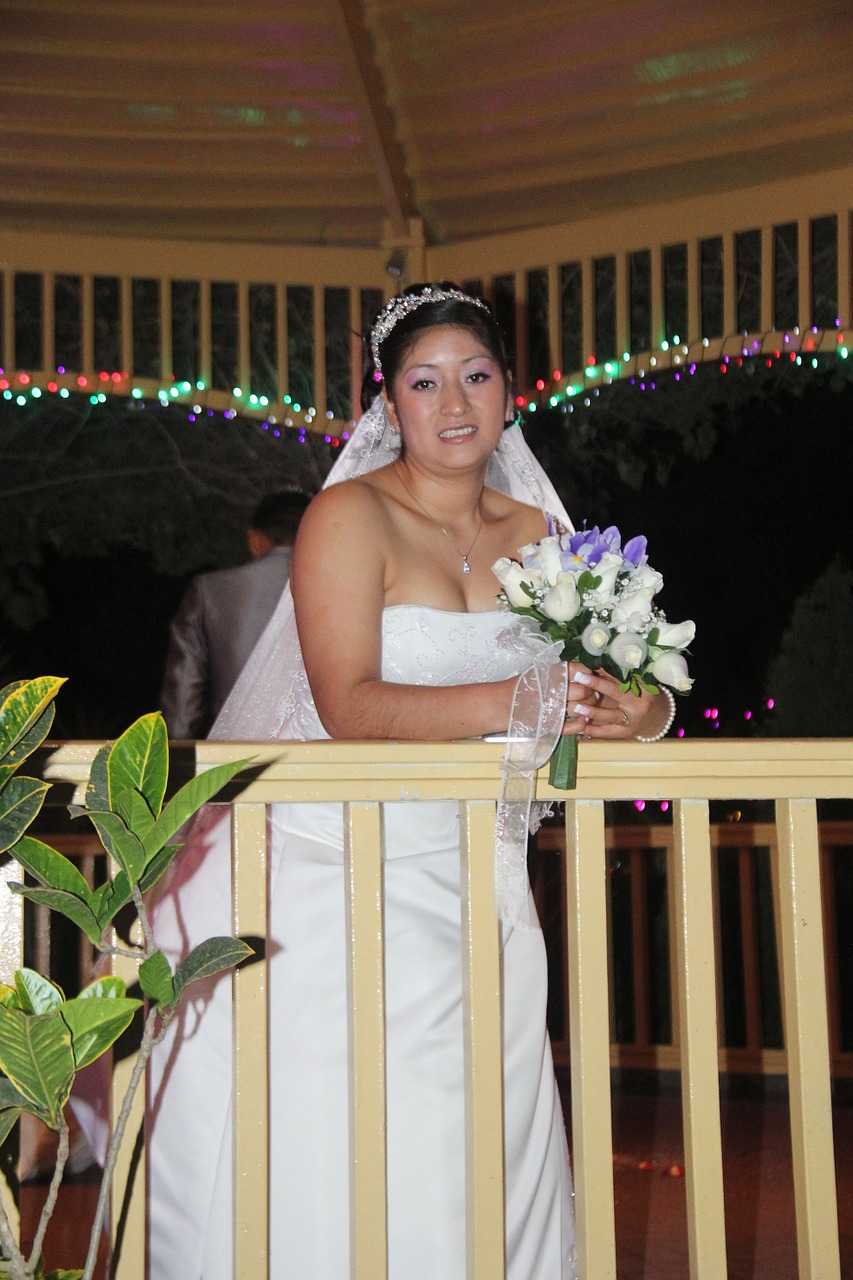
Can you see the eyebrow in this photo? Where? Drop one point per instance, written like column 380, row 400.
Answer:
column 467, row 360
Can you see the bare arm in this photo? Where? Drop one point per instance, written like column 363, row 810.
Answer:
column 338, row 583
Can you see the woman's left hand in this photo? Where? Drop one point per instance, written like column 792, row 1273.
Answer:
column 614, row 714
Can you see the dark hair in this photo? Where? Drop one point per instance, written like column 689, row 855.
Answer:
column 278, row 515
column 452, row 311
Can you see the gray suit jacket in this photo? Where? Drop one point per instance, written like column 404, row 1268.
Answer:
column 218, row 624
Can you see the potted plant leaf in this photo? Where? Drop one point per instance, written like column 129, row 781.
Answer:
column 45, row 1039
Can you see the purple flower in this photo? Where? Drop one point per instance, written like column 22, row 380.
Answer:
column 635, row 551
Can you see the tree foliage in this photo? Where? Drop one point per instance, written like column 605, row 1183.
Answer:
column 89, row 479
column 809, row 679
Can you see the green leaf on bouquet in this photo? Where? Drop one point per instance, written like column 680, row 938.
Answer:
column 95, row 1023
column 139, row 761
column 208, row 958
column 133, row 809
column 67, row 905
column 51, row 868
column 155, row 978
column 36, row 993
column 36, row 1055
column 61, row 1275
column 122, row 845
column 21, row 706
column 186, row 802
column 30, row 739
column 20, row 800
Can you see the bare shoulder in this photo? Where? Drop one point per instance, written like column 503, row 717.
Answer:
column 349, row 504
column 522, row 522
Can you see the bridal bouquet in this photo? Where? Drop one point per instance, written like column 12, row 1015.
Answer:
column 596, row 597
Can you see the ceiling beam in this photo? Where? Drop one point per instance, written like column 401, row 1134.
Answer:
column 375, row 115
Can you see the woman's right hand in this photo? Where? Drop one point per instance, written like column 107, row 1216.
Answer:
column 581, row 699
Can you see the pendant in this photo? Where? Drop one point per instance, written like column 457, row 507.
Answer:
column 466, row 568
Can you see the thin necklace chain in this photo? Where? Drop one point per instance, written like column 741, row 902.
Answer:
column 466, row 568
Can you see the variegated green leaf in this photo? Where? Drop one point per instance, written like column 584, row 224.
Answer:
column 121, row 844
column 20, row 801
column 51, row 868
column 108, row 900
column 27, row 743
column 155, row 978
column 208, row 958
column 156, row 866
column 106, row 988
column 96, row 1023
column 8, row 1119
column 139, row 761
column 21, row 705
column 186, row 802
column 98, row 787
column 67, row 905
column 36, row 993
column 36, row 1055
column 132, row 808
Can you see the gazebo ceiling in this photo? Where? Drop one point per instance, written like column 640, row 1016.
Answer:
column 295, row 122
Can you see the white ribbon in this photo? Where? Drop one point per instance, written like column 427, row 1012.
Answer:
column 536, row 721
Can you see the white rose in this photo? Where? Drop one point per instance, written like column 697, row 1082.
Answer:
column 671, row 669
column 628, row 650
column 676, row 635
column 607, row 569
column 549, row 560
column 562, row 602
column 596, row 638
column 647, row 579
column 633, row 612
column 511, row 575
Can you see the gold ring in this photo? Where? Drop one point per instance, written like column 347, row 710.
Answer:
column 625, row 719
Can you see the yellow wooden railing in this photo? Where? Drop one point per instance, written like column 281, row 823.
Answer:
column 795, row 775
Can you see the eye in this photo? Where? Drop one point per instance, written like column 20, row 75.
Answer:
column 422, row 384
column 479, row 375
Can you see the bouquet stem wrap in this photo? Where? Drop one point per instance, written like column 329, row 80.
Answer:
column 536, row 721
column 564, row 764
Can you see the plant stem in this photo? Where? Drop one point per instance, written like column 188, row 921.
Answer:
column 142, row 913
column 50, row 1202
column 149, row 1040
column 10, row 1246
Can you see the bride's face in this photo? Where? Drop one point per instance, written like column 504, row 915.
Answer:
column 449, row 400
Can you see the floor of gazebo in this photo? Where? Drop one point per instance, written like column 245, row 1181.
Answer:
column 648, row 1167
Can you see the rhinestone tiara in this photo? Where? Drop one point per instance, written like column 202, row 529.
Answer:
column 404, row 304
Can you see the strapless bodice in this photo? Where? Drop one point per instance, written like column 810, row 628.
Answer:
column 421, row 645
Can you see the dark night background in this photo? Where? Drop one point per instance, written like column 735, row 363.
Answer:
column 754, row 507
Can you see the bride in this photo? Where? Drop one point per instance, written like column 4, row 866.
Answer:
column 392, row 632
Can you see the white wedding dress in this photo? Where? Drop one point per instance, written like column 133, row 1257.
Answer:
column 190, row 1174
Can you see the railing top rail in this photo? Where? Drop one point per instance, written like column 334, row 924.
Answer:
column 388, row 771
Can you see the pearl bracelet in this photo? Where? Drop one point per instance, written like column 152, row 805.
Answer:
column 665, row 730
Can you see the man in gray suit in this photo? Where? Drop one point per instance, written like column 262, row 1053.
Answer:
column 221, row 617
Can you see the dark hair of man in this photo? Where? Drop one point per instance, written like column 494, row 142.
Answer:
column 450, row 311
column 278, row 515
